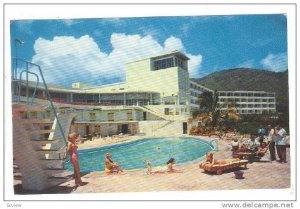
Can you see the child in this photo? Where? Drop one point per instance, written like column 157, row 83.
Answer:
column 149, row 166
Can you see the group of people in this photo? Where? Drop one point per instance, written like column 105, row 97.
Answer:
column 111, row 167
column 275, row 136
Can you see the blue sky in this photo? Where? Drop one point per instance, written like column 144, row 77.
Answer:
column 96, row 50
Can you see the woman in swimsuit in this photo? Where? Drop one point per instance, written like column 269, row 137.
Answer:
column 169, row 168
column 73, row 138
column 110, row 166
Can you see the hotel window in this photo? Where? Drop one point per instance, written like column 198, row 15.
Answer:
column 33, row 114
column 92, row 116
column 129, row 116
column 48, row 113
column 110, row 116
column 163, row 63
column 271, row 94
column 257, row 94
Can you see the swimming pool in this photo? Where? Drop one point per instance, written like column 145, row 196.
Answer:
column 132, row 155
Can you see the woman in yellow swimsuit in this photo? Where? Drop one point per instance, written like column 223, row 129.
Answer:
column 111, row 167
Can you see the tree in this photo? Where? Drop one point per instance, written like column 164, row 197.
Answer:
column 208, row 104
column 208, row 101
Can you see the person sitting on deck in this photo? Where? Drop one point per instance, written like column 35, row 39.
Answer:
column 235, row 145
column 111, row 167
column 263, row 147
column 252, row 144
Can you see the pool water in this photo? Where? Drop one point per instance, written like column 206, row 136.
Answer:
column 132, row 155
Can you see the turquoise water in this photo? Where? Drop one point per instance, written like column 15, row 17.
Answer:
column 132, row 155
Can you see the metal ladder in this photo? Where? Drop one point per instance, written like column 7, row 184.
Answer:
column 29, row 66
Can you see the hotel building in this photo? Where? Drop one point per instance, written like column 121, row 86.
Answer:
column 156, row 89
column 247, row 102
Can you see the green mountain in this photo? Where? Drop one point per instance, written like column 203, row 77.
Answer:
column 251, row 80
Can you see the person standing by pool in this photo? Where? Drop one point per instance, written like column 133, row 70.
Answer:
column 281, row 144
column 110, row 166
column 73, row 138
column 261, row 134
column 149, row 166
column 272, row 138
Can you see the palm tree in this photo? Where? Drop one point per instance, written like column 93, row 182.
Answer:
column 209, row 103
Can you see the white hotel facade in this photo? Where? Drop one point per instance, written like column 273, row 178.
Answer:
column 156, row 88
column 248, row 102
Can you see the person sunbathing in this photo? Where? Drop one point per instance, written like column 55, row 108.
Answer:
column 169, row 168
column 111, row 167
column 258, row 149
column 210, row 159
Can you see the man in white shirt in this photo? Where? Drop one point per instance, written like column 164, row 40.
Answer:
column 272, row 138
column 281, row 144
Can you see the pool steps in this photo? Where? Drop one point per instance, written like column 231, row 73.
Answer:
column 39, row 151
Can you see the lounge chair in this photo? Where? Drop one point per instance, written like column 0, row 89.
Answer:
column 250, row 154
column 221, row 165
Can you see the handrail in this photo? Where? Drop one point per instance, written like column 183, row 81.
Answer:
column 46, row 91
column 37, row 83
column 216, row 147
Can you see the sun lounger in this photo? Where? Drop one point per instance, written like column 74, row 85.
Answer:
column 219, row 168
column 248, row 154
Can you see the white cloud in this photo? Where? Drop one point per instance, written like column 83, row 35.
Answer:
column 66, row 59
column 247, row 64
column 112, row 21
column 275, row 62
column 70, row 22
column 185, row 28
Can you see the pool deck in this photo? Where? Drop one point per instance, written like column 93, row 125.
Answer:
column 258, row 175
